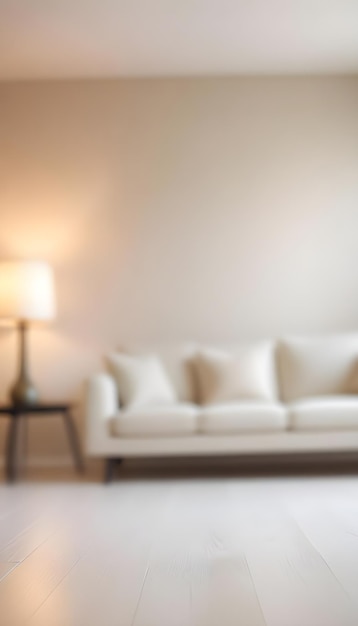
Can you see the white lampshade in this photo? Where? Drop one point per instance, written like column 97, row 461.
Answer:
column 26, row 290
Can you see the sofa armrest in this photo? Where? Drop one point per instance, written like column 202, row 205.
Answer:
column 101, row 403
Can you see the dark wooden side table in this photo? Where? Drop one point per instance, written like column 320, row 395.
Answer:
column 19, row 413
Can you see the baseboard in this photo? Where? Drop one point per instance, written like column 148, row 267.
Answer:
column 44, row 461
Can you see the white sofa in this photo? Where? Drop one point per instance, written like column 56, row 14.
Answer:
column 314, row 407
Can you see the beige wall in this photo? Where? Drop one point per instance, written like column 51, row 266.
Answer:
column 205, row 208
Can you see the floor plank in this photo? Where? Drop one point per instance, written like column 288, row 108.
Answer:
column 108, row 580
column 279, row 551
column 193, row 577
column 5, row 569
column 29, row 584
column 294, row 584
column 333, row 531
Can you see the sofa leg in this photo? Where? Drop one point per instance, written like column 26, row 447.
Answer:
column 110, row 467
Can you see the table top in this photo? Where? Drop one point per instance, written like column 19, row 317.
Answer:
column 40, row 407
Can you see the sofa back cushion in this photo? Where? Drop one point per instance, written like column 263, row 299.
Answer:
column 177, row 362
column 317, row 366
column 141, row 380
column 247, row 373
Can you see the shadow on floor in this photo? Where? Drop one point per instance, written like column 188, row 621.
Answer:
column 255, row 466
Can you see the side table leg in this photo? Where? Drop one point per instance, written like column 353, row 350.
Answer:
column 73, row 439
column 11, row 449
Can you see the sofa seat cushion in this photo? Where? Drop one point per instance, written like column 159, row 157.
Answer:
column 156, row 421
column 248, row 416
column 325, row 413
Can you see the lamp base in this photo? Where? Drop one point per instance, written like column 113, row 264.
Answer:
column 23, row 393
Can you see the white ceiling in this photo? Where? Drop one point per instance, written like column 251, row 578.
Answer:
column 98, row 38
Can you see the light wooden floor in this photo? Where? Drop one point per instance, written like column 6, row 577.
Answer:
column 224, row 551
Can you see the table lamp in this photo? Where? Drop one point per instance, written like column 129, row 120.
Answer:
column 26, row 295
